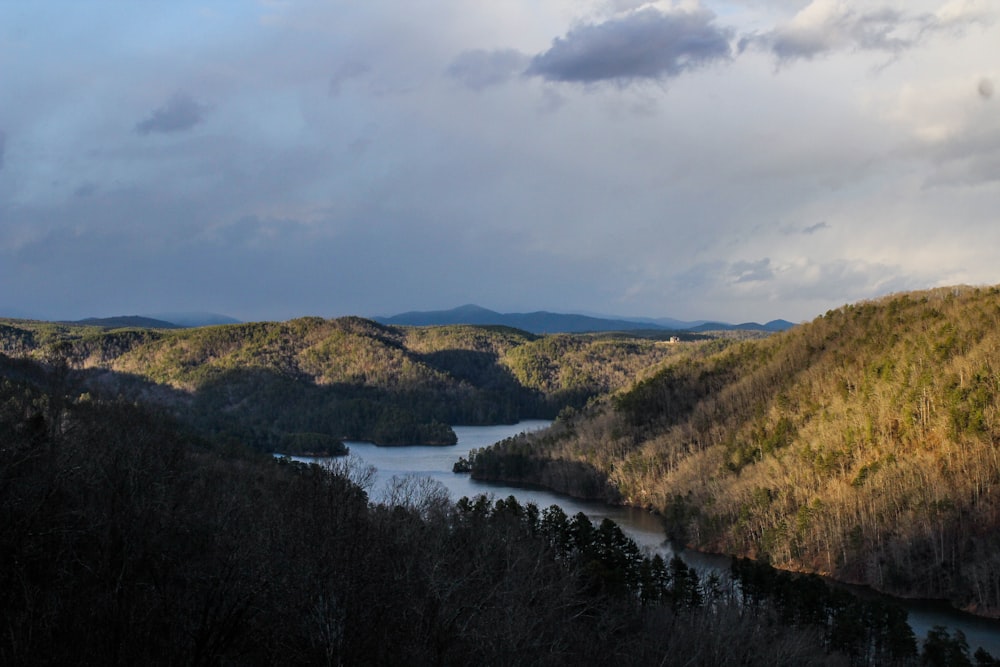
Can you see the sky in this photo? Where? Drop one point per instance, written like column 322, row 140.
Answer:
column 733, row 160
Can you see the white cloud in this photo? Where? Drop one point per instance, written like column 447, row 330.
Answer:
column 961, row 13
column 478, row 68
column 825, row 26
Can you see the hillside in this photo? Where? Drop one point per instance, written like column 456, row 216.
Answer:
column 280, row 384
column 861, row 445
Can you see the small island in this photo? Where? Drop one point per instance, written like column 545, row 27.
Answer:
column 312, row 444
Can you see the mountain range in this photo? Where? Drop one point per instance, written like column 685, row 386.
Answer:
column 158, row 321
column 536, row 322
column 543, row 322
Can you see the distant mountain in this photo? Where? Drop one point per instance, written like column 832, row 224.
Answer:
column 468, row 314
column 677, row 325
column 773, row 326
column 126, row 321
column 17, row 314
column 541, row 322
column 779, row 325
column 195, row 319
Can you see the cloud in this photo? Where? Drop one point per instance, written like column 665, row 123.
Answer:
column 824, row 26
column 181, row 112
column 745, row 272
column 971, row 158
column 961, row 13
column 85, row 190
column 478, row 69
column 3, row 145
column 352, row 69
column 985, row 88
column 254, row 232
column 953, row 129
column 799, row 230
column 560, row 201
column 646, row 44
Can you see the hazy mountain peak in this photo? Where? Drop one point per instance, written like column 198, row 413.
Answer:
column 195, row 319
column 126, row 321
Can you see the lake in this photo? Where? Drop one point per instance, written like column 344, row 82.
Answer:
column 436, row 462
column 643, row 527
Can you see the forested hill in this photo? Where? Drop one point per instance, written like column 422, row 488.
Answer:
column 862, row 445
column 306, row 384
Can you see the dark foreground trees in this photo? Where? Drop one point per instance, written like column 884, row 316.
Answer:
column 124, row 542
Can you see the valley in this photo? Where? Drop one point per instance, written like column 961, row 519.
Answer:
column 860, row 446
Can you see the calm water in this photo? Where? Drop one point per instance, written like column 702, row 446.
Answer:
column 643, row 527
column 436, row 463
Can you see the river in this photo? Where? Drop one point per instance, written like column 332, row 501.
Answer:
column 642, row 526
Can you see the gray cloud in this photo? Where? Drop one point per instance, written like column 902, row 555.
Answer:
column 985, row 88
column 812, row 229
column 799, row 230
column 846, row 280
column 969, row 155
column 697, row 278
column 745, row 272
column 647, row 44
column 3, row 146
column 352, row 69
column 257, row 266
column 254, row 232
column 85, row 190
column 478, row 69
column 181, row 112
column 971, row 160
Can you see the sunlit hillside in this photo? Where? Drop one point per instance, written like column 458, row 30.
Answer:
column 346, row 378
column 862, row 445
